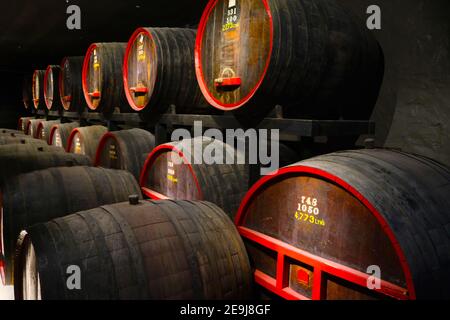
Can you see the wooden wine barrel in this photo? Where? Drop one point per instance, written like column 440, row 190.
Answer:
column 27, row 94
column 51, row 88
column 327, row 224
column 21, row 126
column 165, row 250
column 22, row 158
column 40, row 196
column 171, row 172
column 31, row 127
column 159, row 71
column 85, row 140
column 38, row 90
column 312, row 57
column 124, row 149
column 43, row 129
column 102, row 77
column 70, row 84
column 60, row 132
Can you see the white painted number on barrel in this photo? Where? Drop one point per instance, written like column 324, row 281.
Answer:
column 171, row 172
column 140, row 49
column 308, row 211
column 231, row 17
column 112, row 152
column 58, row 142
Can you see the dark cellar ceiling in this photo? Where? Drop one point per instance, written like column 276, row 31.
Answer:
column 33, row 33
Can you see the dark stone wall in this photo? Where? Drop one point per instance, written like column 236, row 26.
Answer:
column 413, row 110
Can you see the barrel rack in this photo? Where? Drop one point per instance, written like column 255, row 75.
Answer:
column 291, row 130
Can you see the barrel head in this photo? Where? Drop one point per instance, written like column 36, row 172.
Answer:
column 233, row 51
column 318, row 223
column 170, row 175
column 140, row 69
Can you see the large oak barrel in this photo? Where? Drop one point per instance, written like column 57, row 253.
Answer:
column 175, row 171
column 40, row 196
column 38, row 90
column 70, row 84
column 103, row 77
column 164, row 250
column 51, row 88
column 311, row 56
column 21, row 126
column 124, row 150
column 27, row 94
column 85, row 140
column 60, row 132
column 22, row 158
column 331, row 224
column 159, row 71
column 43, row 129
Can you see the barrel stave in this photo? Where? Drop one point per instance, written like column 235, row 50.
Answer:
column 142, row 241
column 61, row 191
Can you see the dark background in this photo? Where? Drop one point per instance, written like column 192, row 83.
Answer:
column 33, row 34
column 413, row 111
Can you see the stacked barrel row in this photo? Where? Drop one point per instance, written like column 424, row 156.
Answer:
column 124, row 246
column 312, row 57
column 300, row 224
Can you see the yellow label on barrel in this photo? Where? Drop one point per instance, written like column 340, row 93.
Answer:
column 231, row 19
column 172, row 178
column 96, row 63
column 77, row 148
column 112, row 152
